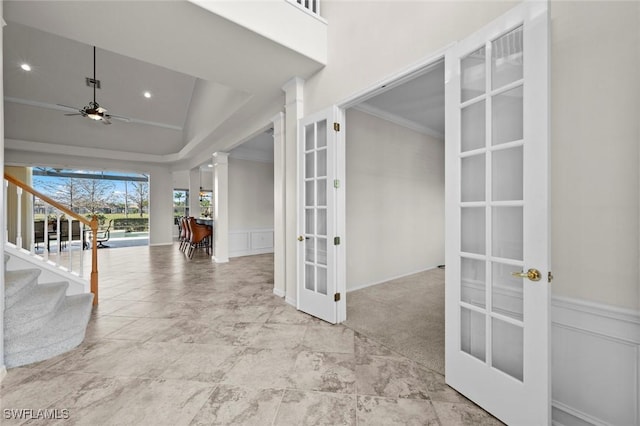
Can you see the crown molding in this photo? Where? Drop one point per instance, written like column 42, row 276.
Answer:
column 400, row 121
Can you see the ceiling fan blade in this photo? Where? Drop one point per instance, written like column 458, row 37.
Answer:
column 70, row 107
column 120, row 117
column 101, row 110
column 105, row 120
column 69, row 115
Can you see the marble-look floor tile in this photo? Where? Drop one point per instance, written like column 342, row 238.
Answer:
column 316, row 408
column 238, row 334
column 374, row 410
column 135, row 402
column 39, row 390
column 262, row 368
column 285, row 314
column 112, row 358
column 99, row 327
column 141, row 309
column 106, row 307
column 463, row 414
column 279, row 336
column 142, row 329
column 233, row 405
column 329, row 338
column 244, row 313
column 202, row 363
column 365, row 347
column 440, row 391
column 393, row 377
column 324, row 371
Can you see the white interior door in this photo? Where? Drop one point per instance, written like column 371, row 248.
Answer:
column 497, row 324
column 318, row 240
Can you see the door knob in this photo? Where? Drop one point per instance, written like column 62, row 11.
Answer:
column 300, row 238
column 532, row 274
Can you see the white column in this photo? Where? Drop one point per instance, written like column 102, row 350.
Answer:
column 221, row 209
column 194, row 192
column 160, row 207
column 294, row 110
column 279, row 206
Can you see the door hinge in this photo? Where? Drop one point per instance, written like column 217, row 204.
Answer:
column 336, row 127
column 549, row 277
column 336, row 183
column 336, row 297
column 336, row 241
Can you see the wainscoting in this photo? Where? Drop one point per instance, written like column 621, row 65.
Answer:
column 596, row 364
column 246, row 242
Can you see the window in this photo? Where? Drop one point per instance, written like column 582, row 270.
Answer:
column 180, row 202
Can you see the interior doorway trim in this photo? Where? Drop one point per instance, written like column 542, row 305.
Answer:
column 396, row 79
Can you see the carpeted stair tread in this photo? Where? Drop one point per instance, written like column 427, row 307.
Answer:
column 63, row 332
column 36, row 310
column 18, row 284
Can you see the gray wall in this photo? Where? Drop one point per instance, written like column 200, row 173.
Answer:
column 395, row 200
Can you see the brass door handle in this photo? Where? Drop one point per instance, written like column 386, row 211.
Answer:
column 301, row 238
column 532, row 274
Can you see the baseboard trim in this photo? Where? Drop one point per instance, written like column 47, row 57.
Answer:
column 371, row 284
column 160, row 244
column 220, row 259
column 278, row 292
column 575, row 416
column 3, row 372
column 291, row 301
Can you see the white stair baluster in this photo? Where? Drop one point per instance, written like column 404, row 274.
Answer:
column 19, row 218
column 70, row 239
column 58, row 237
column 6, row 211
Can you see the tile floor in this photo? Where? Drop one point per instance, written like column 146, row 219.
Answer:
column 189, row 342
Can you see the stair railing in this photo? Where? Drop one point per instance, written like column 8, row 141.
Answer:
column 59, row 210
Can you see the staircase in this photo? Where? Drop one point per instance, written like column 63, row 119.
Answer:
column 47, row 305
column 40, row 320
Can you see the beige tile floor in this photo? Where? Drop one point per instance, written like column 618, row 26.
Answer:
column 189, row 342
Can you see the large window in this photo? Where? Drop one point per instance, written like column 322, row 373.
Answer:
column 180, row 202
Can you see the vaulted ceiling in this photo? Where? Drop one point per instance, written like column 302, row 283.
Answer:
column 206, row 75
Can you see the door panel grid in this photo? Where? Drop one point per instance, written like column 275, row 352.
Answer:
column 490, row 117
column 315, row 217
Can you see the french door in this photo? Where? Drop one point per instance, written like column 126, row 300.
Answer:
column 497, row 212
column 319, row 242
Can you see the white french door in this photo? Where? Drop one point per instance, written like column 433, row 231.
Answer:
column 497, row 212
column 318, row 240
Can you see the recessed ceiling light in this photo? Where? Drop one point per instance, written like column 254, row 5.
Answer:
column 209, row 165
column 26, row 67
column 147, row 94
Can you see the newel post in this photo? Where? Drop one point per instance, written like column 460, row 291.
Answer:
column 94, row 259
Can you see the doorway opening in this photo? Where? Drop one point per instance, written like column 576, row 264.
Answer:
column 395, row 215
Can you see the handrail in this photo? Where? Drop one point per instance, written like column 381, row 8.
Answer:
column 93, row 224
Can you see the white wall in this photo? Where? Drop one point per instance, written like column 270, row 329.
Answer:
column 595, row 94
column 251, row 207
column 594, row 114
column 250, row 194
column 395, row 200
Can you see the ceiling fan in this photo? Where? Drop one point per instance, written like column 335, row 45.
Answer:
column 94, row 111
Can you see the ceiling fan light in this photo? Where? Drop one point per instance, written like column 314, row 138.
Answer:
column 94, row 116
